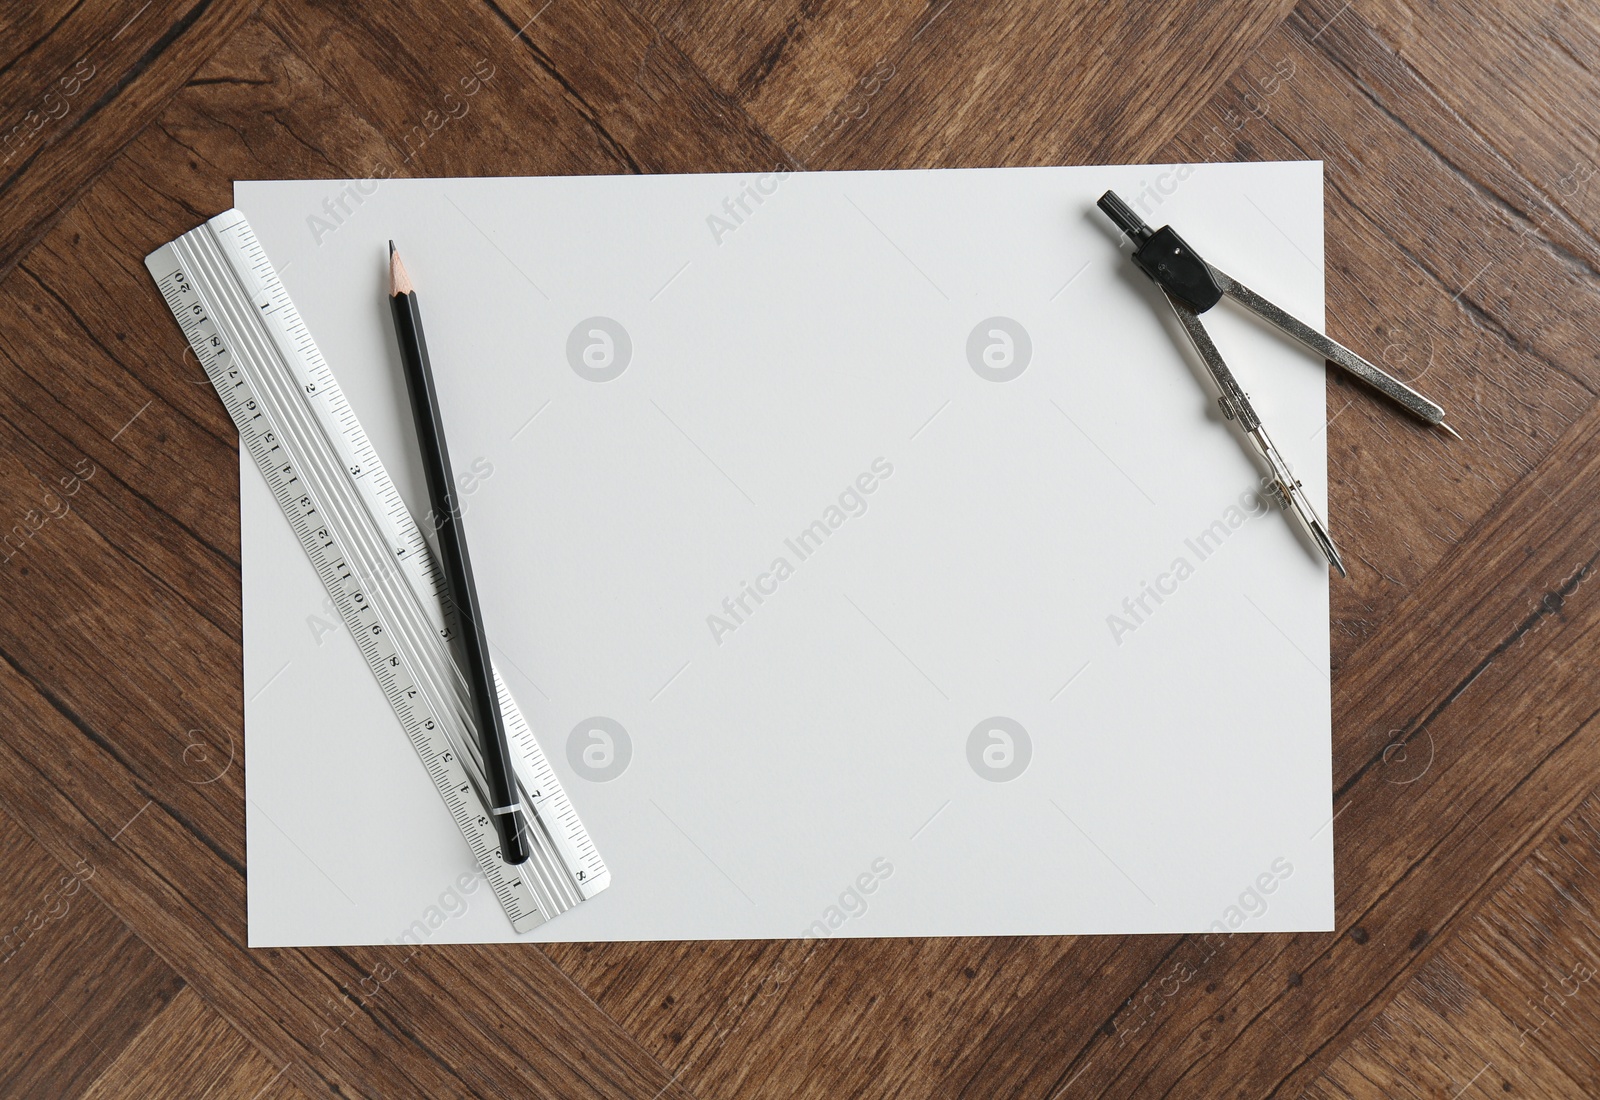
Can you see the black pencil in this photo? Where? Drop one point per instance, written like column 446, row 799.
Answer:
column 457, row 563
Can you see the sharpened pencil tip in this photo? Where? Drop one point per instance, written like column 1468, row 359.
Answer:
column 399, row 280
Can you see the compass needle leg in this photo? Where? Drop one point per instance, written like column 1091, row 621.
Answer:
column 1236, row 406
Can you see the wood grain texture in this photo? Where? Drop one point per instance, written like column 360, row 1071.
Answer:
column 77, row 985
column 1462, row 248
column 188, row 1051
column 82, row 80
column 1509, row 1003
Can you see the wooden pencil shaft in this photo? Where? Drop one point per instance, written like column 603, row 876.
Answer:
column 457, row 563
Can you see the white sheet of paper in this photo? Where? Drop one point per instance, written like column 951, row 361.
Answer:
column 1043, row 664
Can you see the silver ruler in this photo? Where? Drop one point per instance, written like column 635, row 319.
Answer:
column 295, row 422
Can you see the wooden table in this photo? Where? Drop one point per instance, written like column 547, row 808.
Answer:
column 1463, row 243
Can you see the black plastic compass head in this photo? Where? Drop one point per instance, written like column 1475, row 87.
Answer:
column 1165, row 257
column 1178, row 269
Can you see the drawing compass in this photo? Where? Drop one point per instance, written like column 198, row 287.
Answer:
column 1193, row 286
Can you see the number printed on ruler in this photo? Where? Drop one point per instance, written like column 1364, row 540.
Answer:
column 295, row 423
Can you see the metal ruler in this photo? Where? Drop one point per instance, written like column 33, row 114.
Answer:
column 295, row 422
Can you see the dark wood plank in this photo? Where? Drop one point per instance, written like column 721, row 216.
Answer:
column 78, row 986
column 1052, row 84
column 747, row 1019
column 944, row 84
column 188, row 1052
column 575, row 74
column 1519, row 79
column 85, row 79
column 1510, row 1003
column 806, row 69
